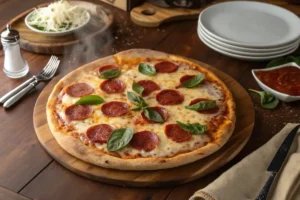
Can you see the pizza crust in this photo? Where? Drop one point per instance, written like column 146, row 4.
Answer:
column 92, row 155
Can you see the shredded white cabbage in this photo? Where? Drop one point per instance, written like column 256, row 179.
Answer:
column 58, row 16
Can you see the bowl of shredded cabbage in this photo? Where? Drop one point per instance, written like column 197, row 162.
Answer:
column 57, row 19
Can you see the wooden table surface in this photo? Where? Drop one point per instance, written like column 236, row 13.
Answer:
column 28, row 172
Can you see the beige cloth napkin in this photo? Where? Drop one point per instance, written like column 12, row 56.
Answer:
column 245, row 180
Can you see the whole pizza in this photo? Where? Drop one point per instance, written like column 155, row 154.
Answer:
column 141, row 110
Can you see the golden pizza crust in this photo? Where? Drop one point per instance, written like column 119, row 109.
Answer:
column 92, row 155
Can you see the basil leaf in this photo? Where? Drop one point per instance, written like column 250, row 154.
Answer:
column 283, row 60
column 119, row 138
column 194, row 128
column 193, row 82
column 202, row 105
column 137, row 109
column 153, row 115
column 267, row 100
column 146, row 69
column 136, row 100
column 110, row 73
column 137, row 88
column 90, row 100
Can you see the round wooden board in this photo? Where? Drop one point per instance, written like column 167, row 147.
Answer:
column 100, row 22
column 168, row 177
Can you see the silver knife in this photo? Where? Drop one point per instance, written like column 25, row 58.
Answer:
column 277, row 162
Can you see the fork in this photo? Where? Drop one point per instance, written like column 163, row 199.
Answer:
column 23, row 85
column 45, row 76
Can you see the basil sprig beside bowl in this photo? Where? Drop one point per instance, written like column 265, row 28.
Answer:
column 119, row 138
column 195, row 128
column 110, row 73
column 203, row 105
column 193, row 82
column 90, row 100
column 267, row 100
column 146, row 69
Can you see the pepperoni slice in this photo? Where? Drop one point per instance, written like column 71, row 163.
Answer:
column 107, row 67
column 175, row 133
column 149, row 86
column 78, row 112
column 144, row 140
column 111, row 86
column 99, row 133
column 79, row 90
column 210, row 111
column 114, row 108
column 169, row 97
column 166, row 67
column 162, row 111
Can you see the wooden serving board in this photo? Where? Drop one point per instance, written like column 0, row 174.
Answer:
column 150, row 15
column 166, row 177
column 101, row 20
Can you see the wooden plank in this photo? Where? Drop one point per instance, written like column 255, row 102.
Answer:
column 56, row 182
column 6, row 194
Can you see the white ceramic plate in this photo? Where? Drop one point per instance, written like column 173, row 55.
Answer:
column 250, row 50
column 243, row 53
column 281, row 96
column 251, row 24
column 61, row 33
column 241, row 57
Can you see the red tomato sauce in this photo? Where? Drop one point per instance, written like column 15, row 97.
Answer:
column 285, row 80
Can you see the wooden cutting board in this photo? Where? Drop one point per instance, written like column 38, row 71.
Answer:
column 167, row 177
column 101, row 20
column 150, row 15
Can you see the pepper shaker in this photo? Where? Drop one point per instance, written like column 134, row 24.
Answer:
column 14, row 64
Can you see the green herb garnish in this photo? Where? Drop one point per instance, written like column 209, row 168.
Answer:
column 146, row 69
column 267, row 100
column 194, row 128
column 119, row 138
column 202, row 105
column 137, row 88
column 193, row 82
column 283, row 60
column 90, row 100
column 110, row 73
column 153, row 115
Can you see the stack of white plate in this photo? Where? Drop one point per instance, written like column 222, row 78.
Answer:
column 249, row 30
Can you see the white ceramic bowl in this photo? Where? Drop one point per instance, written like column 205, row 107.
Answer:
column 61, row 33
column 279, row 95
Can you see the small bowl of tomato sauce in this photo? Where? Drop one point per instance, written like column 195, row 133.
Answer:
column 282, row 81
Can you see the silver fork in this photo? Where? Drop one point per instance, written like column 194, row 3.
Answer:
column 23, row 85
column 45, row 76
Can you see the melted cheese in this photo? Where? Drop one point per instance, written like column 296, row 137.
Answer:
column 166, row 147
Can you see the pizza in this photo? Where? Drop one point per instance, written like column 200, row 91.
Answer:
column 141, row 110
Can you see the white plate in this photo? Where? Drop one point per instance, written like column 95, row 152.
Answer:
column 241, row 57
column 251, row 24
column 61, row 33
column 243, row 53
column 244, row 49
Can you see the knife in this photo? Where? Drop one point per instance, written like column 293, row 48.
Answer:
column 277, row 162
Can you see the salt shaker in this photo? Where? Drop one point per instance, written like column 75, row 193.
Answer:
column 14, row 64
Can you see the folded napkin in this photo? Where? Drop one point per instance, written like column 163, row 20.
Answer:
column 245, row 180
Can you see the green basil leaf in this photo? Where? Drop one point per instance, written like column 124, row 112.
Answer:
column 136, row 99
column 202, row 105
column 194, row 128
column 283, row 60
column 137, row 88
column 119, row 138
column 193, row 82
column 146, row 69
column 90, row 100
column 153, row 115
column 267, row 100
column 110, row 73
column 137, row 109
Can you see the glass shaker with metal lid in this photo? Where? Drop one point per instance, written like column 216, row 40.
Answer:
column 14, row 64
